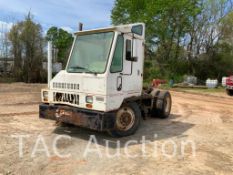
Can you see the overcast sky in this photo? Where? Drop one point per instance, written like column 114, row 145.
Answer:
column 61, row 13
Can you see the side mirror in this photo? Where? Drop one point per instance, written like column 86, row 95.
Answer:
column 137, row 29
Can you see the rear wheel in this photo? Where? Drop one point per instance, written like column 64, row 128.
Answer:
column 128, row 119
column 230, row 92
column 162, row 105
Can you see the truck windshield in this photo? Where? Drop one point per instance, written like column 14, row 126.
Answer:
column 90, row 53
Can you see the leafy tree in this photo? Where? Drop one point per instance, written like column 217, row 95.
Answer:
column 14, row 37
column 181, row 35
column 167, row 23
column 27, row 48
column 226, row 26
column 62, row 40
column 212, row 44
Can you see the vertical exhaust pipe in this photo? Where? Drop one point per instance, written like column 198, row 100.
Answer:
column 80, row 26
column 49, row 62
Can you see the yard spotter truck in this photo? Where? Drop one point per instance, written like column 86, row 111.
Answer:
column 102, row 85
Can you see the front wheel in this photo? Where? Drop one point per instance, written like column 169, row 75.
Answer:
column 128, row 119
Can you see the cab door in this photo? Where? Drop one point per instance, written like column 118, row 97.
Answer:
column 116, row 67
column 125, row 76
column 122, row 69
column 115, row 86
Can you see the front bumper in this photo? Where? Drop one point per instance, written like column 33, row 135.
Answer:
column 95, row 120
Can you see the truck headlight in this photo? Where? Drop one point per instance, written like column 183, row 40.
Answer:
column 45, row 95
column 89, row 99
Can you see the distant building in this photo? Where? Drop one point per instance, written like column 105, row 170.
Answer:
column 57, row 67
column 6, row 64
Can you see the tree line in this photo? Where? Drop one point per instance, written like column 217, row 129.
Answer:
column 27, row 45
column 183, row 37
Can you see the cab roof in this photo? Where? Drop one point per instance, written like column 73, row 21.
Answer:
column 121, row 28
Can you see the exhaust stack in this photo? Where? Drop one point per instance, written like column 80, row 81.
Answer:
column 49, row 62
column 80, row 26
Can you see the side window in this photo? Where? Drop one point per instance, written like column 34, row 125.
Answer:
column 117, row 60
column 138, row 29
column 128, row 50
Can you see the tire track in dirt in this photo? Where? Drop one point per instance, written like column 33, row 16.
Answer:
column 18, row 114
column 22, row 104
column 199, row 118
column 203, row 99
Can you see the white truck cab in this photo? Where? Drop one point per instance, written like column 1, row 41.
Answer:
column 102, row 85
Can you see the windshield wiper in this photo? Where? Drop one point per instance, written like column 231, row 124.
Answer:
column 83, row 68
column 78, row 67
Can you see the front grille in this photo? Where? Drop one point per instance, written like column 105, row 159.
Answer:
column 72, row 86
column 65, row 97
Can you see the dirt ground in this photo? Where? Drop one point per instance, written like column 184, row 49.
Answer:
column 206, row 122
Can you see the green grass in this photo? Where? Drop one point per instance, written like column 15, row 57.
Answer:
column 201, row 90
column 195, row 90
column 7, row 79
column 215, row 90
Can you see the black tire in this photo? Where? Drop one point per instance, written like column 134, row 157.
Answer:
column 162, row 105
column 155, row 92
column 230, row 92
column 129, row 109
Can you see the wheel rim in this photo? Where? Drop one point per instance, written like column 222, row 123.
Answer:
column 125, row 119
column 167, row 104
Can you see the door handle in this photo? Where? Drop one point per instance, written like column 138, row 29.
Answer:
column 119, row 83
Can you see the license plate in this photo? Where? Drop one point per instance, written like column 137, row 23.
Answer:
column 63, row 113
